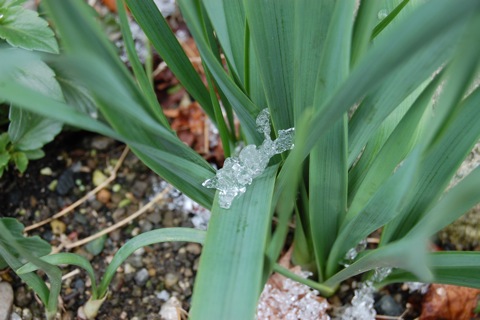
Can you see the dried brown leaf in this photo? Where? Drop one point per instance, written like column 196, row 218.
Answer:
column 449, row 302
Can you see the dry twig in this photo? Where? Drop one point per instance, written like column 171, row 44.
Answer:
column 74, row 205
column 117, row 225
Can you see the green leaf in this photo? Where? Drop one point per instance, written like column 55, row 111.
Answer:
column 146, row 239
column 366, row 178
column 415, row 34
column 243, row 106
column 23, row 28
column 35, row 244
column 228, row 19
column 76, row 94
column 456, row 268
column 230, row 271
column 439, row 164
column 328, row 159
column 34, row 154
column 450, row 207
column 29, row 131
column 393, row 255
column 385, row 205
column 12, row 244
column 142, row 78
column 159, row 33
column 271, row 26
column 61, row 259
column 21, row 161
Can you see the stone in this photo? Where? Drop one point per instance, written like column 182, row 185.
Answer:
column 23, row 297
column 58, row 227
column 141, row 277
column 98, row 178
column 104, row 196
column 27, row 314
column 65, row 182
column 139, row 188
column 388, row 306
column 171, row 279
column 102, row 143
column 194, row 248
column 154, row 217
column 6, row 298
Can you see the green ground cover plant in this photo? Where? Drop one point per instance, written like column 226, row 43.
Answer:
column 381, row 98
column 27, row 132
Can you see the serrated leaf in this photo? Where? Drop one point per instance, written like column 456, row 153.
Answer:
column 23, row 28
column 35, row 245
column 4, row 140
column 34, row 154
column 21, row 161
column 29, row 131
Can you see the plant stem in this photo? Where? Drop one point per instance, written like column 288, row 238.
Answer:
column 323, row 289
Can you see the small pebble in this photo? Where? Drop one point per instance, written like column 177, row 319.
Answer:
column 98, row 178
column 168, row 219
column 145, row 225
column 27, row 314
column 171, row 279
column 128, row 268
column 104, row 196
column 47, row 171
column 65, row 182
column 139, row 188
column 23, row 297
column 6, row 298
column 141, row 277
column 15, row 316
column 102, row 143
column 137, row 291
column 154, row 217
column 163, row 295
column 194, row 248
column 58, row 227
column 388, row 306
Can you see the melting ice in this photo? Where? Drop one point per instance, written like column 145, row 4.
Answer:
column 238, row 172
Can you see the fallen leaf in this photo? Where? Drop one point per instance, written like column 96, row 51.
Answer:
column 449, row 302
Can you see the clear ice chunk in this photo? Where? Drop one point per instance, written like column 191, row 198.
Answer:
column 353, row 252
column 361, row 307
column 239, row 172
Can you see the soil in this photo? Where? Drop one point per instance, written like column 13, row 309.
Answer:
column 150, row 276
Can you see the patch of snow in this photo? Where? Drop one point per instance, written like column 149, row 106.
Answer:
column 361, row 307
column 291, row 301
column 238, row 172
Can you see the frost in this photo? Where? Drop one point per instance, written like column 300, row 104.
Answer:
column 238, row 172
column 381, row 273
column 362, row 304
column 353, row 252
column 361, row 307
column 291, row 300
column 417, row 286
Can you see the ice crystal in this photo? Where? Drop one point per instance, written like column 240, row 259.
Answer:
column 361, row 307
column 353, row 252
column 291, row 301
column 417, row 286
column 381, row 273
column 238, row 172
